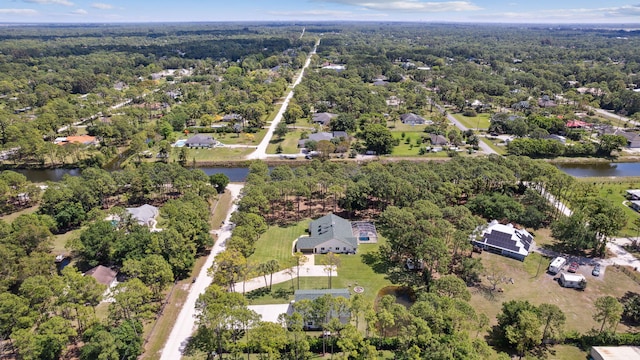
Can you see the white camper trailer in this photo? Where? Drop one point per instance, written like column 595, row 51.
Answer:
column 575, row 281
column 557, row 264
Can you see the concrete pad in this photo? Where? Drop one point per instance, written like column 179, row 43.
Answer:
column 270, row 313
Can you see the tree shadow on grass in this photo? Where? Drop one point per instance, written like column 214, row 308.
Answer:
column 376, row 261
column 487, row 293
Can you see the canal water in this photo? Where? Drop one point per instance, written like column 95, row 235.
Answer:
column 601, row 169
column 44, row 175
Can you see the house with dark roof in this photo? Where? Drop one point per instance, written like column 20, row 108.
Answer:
column 319, row 136
column 323, row 118
column 438, row 139
column 200, row 141
column 546, row 102
column 103, row 275
column 502, row 239
column 311, row 295
column 329, row 233
column 633, row 138
column 412, row 119
column 232, row 117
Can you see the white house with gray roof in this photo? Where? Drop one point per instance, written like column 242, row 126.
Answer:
column 144, row 215
column 329, row 233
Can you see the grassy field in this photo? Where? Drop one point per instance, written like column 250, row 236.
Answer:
column 412, row 148
column 531, row 282
column 499, row 149
column 244, row 139
column 614, row 190
column 10, row 217
column 289, row 143
column 351, row 272
column 480, row 122
column 216, row 154
column 277, row 242
column 59, row 241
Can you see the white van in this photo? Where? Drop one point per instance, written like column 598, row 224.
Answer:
column 557, row 264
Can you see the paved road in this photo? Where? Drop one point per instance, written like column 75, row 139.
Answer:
column 261, row 151
column 485, row 148
column 614, row 116
column 185, row 323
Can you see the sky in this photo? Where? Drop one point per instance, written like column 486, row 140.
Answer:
column 495, row 11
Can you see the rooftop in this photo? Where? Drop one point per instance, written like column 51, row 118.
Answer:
column 326, row 228
column 316, row 293
column 507, row 237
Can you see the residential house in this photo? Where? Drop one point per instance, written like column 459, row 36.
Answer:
column 633, row 138
column 576, row 124
column 393, row 101
column 103, row 275
column 336, row 67
column 614, row 352
column 329, row 233
column 502, row 239
column 82, row 139
column 546, row 102
column 521, row 105
column 413, row 119
column 144, row 215
column 311, row 295
column 557, row 137
column 231, row 117
column 319, row 136
column 633, row 194
column 380, row 82
column 635, row 205
column 323, row 118
column 438, row 139
column 201, row 141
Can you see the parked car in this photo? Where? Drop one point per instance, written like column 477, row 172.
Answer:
column 573, row 267
column 596, row 270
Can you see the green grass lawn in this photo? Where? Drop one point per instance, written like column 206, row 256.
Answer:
column 277, row 242
column 351, row 272
column 477, row 122
column 244, row 139
column 10, row 217
column 398, row 126
column 59, row 241
column 289, row 143
column 614, row 190
column 215, row 154
column 499, row 149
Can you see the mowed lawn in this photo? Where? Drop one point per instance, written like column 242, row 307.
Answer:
column 480, row 122
column 615, row 191
column 277, row 243
column 215, row 154
column 289, row 143
column 531, row 282
column 351, row 272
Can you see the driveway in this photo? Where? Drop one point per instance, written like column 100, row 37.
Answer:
column 186, row 321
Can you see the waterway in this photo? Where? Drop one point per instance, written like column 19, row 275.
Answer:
column 601, row 169
column 44, row 175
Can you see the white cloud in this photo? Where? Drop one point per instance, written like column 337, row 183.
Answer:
column 102, row 6
column 79, row 12
column 410, row 5
column 18, row 11
column 575, row 15
column 51, row 2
